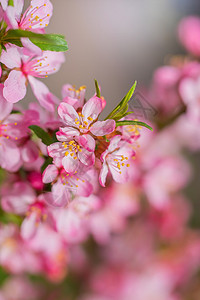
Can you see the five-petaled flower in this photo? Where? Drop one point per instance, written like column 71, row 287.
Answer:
column 77, row 140
column 117, row 160
column 25, row 68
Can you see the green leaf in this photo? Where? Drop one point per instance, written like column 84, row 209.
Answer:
column 3, row 276
column 105, row 138
column 15, row 112
column 130, row 122
column 51, row 42
column 10, row 2
column 121, row 109
column 7, row 218
column 3, row 47
column 15, row 42
column 120, row 113
column 43, row 135
column 97, row 89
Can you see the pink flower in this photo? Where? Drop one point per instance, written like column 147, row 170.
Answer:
column 36, row 215
column 35, row 179
column 17, row 198
column 37, row 15
column 72, row 221
column 71, row 154
column 65, row 184
column 24, row 289
column 86, row 121
column 189, row 33
column 15, row 134
column 47, row 119
column 164, row 93
column 118, row 202
column 72, row 96
column 9, row 153
column 52, row 250
column 4, row 4
column 15, row 254
column 190, row 92
column 116, row 159
column 25, row 68
column 78, row 145
column 166, row 177
column 76, row 97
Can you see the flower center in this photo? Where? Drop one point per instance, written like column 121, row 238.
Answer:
column 71, row 148
column 118, row 162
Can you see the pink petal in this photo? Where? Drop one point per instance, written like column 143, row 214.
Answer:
column 6, row 107
column 87, row 158
column 55, row 150
column 30, row 47
column 67, row 114
column 70, row 164
column 53, row 60
column 189, row 32
column 72, row 97
column 11, row 57
column 114, row 143
column 15, row 86
column 42, row 94
column 87, row 142
column 190, row 91
column 92, row 109
column 10, row 17
column 18, row 4
column 71, row 101
column 4, row 4
column 103, row 174
column 101, row 128
column 50, row 174
column 44, row 11
column 28, row 227
column 66, row 132
column 29, row 152
column 84, row 188
column 18, row 198
column 60, row 195
column 67, row 91
column 9, row 155
column 122, row 177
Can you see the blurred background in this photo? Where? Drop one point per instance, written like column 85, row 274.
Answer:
column 115, row 41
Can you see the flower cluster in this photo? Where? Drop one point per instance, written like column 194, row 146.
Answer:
column 55, row 155
column 94, row 205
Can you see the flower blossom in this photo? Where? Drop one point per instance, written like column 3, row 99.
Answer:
column 189, row 32
column 26, row 68
column 72, row 96
column 76, row 143
column 10, row 131
column 79, row 123
column 37, row 15
column 190, row 92
column 64, row 184
column 116, row 159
